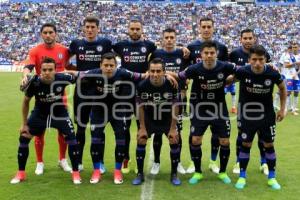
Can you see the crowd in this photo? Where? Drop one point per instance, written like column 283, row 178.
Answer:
column 274, row 25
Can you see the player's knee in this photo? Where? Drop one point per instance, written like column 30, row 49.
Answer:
column 196, row 140
column 247, row 144
column 142, row 141
column 268, row 145
column 173, row 141
column 24, row 139
column 224, row 141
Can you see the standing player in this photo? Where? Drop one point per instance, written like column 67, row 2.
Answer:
column 291, row 62
column 157, row 112
column 88, row 52
column 49, row 48
column 208, row 107
column 174, row 61
column 134, row 54
column 206, row 30
column 107, row 82
column 240, row 57
column 49, row 111
column 256, row 88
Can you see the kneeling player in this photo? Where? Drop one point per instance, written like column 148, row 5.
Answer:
column 157, row 100
column 256, row 112
column 49, row 111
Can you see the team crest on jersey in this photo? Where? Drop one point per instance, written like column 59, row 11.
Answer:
column 99, row 48
column 244, row 136
column 198, row 60
column 60, row 56
column 268, row 82
column 58, row 89
column 81, row 57
column 220, row 76
column 178, row 61
column 143, row 49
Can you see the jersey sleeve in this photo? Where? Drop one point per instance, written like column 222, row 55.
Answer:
column 130, row 76
column 152, row 47
column 117, row 48
column 72, row 48
column 224, row 56
column 69, row 78
column 188, row 73
column 30, row 92
column 32, row 59
column 277, row 78
column 238, row 73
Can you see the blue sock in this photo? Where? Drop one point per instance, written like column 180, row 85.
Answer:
column 96, row 165
column 243, row 174
column 271, row 174
column 118, row 165
column 263, row 160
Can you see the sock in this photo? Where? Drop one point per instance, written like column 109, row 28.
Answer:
column 80, row 137
column 184, row 100
column 157, row 143
column 233, row 100
column 174, row 155
column 214, row 148
column 271, row 161
column 39, row 143
column 127, row 141
column 196, row 155
column 295, row 101
column 261, row 151
column 140, row 156
column 239, row 143
column 73, row 151
column 224, row 157
column 23, row 152
column 118, row 165
column 119, row 150
column 244, row 157
column 62, row 146
column 180, row 146
column 95, row 151
column 102, row 147
column 288, row 103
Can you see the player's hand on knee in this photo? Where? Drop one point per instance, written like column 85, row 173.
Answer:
column 24, row 131
column 142, row 136
column 173, row 137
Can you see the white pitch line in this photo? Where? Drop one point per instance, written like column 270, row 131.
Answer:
column 148, row 186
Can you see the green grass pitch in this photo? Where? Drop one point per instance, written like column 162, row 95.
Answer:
column 56, row 184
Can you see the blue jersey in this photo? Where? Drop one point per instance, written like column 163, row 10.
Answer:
column 157, row 103
column 208, row 85
column 134, row 54
column 108, row 89
column 47, row 95
column 257, row 89
column 240, row 57
column 88, row 54
column 173, row 61
column 195, row 55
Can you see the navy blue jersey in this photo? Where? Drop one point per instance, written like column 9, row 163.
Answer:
column 195, row 55
column 88, row 54
column 157, row 103
column 208, row 85
column 257, row 89
column 173, row 61
column 108, row 89
column 239, row 57
column 134, row 54
column 48, row 94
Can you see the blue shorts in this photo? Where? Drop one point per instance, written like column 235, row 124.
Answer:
column 292, row 85
column 230, row 88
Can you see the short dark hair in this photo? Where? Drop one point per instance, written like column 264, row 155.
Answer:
column 157, row 61
column 247, row 30
column 108, row 56
column 258, row 50
column 91, row 19
column 208, row 44
column 48, row 25
column 204, row 19
column 135, row 20
column 169, row 30
column 48, row 60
